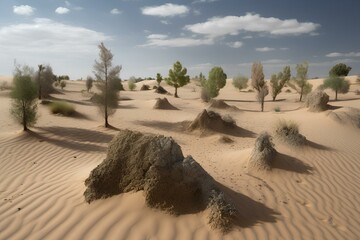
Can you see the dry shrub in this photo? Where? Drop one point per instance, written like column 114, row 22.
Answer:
column 205, row 95
column 317, row 101
column 63, row 108
column 288, row 132
column 262, row 156
column 221, row 213
column 145, row 87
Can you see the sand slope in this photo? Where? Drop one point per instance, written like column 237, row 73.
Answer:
column 312, row 192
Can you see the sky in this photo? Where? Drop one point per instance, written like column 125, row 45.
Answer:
column 148, row 36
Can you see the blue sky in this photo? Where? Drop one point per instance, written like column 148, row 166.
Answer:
column 147, row 36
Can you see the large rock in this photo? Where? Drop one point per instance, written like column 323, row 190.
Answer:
column 263, row 154
column 317, row 101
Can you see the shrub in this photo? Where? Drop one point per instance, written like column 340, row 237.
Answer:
column 89, row 83
column 263, row 154
column 357, row 92
column 131, row 85
column 278, row 81
column 240, row 82
column 288, row 132
column 205, row 95
column 277, row 109
column 62, row 84
column 288, row 91
column 221, row 213
column 63, row 108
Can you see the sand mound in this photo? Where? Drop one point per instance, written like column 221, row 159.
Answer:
column 163, row 103
column 317, row 101
column 161, row 90
column 346, row 115
column 209, row 120
column 156, row 165
column 220, row 104
column 145, row 87
column 262, row 156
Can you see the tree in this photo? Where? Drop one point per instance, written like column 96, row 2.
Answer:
column 159, row 78
column 24, row 94
column 216, row 81
column 89, row 83
column 177, row 77
column 240, row 82
column 258, row 83
column 300, row 83
column 278, row 81
column 131, row 83
column 45, row 79
column 62, row 84
column 39, row 82
column 337, row 84
column 340, row 70
column 104, row 72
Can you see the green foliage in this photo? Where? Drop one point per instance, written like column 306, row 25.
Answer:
column 63, row 77
column 278, row 81
column 106, row 76
column 24, row 104
column 44, row 79
column 131, row 84
column 340, row 70
column 62, row 84
column 216, row 81
column 61, row 107
column 159, row 78
column 277, row 109
column 300, row 83
column 89, row 83
column 177, row 77
column 240, row 82
column 258, row 82
column 337, row 84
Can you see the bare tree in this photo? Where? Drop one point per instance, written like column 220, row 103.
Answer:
column 258, row 83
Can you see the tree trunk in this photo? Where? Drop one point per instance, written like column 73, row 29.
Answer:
column 176, row 95
column 39, row 83
column 274, row 98
column 301, row 94
column 262, row 105
column 336, row 92
column 24, row 117
column 106, row 100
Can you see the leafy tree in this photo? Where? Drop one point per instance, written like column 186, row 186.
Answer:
column 159, row 78
column 300, row 83
column 216, row 81
column 340, row 70
column 240, row 82
column 89, row 83
column 39, row 82
column 45, row 79
column 278, row 81
column 177, row 77
column 337, row 84
column 131, row 83
column 24, row 103
column 258, row 82
column 62, row 84
column 104, row 72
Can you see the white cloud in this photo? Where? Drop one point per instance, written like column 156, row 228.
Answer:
column 160, row 40
column 24, row 10
column 350, row 54
column 264, row 49
column 165, row 22
column 248, row 37
column 62, row 10
column 232, row 25
column 166, row 10
column 47, row 36
column 236, row 44
column 115, row 11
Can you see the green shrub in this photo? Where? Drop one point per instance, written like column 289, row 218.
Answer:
column 277, row 109
column 132, row 85
column 63, row 108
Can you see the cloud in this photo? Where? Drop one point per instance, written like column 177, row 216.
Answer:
column 264, row 49
column 62, row 10
column 236, row 44
column 24, row 10
column 203, row 1
column 284, row 48
column 350, row 54
column 115, row 11
column 166, row 10
column 268, row 63
column 47, row 36
column 160, row 40
column 165, row 22
column 248, row 37
column 232, row 25
column 67, row 3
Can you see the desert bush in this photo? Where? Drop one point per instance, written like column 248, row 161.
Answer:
column 89, row 83
column 221, row 213
column 205, row 95
column 62, row 84
column 240, row 82
column 216, row 81
column 277, row 109
column 61, row 107
column 44, row 79
column 262, row 155
column 145, row 87
column 288, row 132
column 131, row 85
column 337, row 84
column 258, row 83
column 159, row 78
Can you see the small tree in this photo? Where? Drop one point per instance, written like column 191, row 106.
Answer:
column 24, row 94
column 39, row 81
column 89, row 83
column 104, row 72
column 258, row 83
column 216, row 81
column 177, row 77
column 340, row 70
column 337, row 84
column 240, row 82
column 159, row 78
column 300, row 83
column 131, row 83
column 62, row 84
column 277, row 82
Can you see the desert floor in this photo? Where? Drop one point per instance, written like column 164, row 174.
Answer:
column 312, row 192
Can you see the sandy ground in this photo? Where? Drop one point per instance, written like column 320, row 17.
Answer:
column 312, row 192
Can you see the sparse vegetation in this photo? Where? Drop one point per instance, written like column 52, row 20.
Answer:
column 177, row 77
column 62, row 84
column 131, row 84
column 277, row 109
column 337, row 84
column 240, row 82
column 258, row 83
column 263, row 154
column 45, row 79
column 340, row 70
column 89, row 83
column 278, row 81
column 300, row 83
column 216, row 81
column 61, row 107
column 23, row 94
column 288, row 132
column 159, row 79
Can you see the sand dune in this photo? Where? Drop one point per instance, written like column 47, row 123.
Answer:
column 312, row 192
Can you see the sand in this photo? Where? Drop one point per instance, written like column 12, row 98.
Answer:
column 311, row 193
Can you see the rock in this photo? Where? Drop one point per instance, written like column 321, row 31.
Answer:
column 317, row 101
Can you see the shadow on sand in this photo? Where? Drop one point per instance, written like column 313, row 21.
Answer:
column 291, row 164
